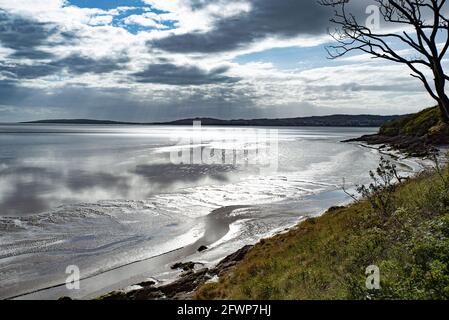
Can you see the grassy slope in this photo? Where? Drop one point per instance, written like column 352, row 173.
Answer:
column 326, row 257
column 415, row 134
column 425, row 124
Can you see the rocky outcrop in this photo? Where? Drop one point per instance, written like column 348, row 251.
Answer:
column 183, row 287
column 412, row 146
column 417, row 135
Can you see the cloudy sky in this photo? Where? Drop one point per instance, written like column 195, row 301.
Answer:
column 152, row 60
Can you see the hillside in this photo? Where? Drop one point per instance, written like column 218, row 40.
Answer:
column 415, row 134
column 327, row 257
column 318, row 121
column 80, row 121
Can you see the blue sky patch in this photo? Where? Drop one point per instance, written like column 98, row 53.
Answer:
column 139, row 8
column 107, row 4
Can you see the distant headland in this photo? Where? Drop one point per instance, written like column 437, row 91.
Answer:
column 314, row 121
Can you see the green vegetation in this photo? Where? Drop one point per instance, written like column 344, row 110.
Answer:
column 426, row 124
column 415, row 134
column 403, row 229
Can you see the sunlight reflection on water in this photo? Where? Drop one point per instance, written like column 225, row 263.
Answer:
column 103, row 196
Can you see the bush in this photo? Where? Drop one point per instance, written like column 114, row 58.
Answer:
column 381, row 191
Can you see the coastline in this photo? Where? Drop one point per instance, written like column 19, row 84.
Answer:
column 143, row 272
column 327, row 258
column 408, row 146
column 158, row 269
column 196, row 274
column 314, row 205
column 217, row 226
column 277, row 200
column 417, row 135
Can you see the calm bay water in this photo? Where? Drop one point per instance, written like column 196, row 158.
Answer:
column 100, row 197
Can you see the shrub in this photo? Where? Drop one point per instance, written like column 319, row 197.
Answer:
column 381, row 191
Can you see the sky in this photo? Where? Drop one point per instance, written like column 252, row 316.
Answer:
column 157, row 60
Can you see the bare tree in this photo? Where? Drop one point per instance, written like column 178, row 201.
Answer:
column 421, row 22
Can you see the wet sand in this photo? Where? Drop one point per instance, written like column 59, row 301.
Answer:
column 218, row 224
column 217, row 227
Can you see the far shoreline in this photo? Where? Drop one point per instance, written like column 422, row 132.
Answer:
column 336, row 120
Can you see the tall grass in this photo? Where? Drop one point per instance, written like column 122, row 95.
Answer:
column 326, row 257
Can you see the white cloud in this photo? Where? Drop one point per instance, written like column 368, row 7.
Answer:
column 369, row 86
column 101, row 20
column 148, row 19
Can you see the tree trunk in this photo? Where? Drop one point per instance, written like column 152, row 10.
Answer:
column 440, row 86
column 443, row 103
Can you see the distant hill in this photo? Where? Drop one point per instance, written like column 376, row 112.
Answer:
column 316, row 121
column 77, row 121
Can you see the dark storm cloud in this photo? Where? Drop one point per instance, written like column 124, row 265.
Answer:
column 285, row 19
column 167, row 73
column 31, row 54
column 25, row 35
column 24, row 71
column 78, row 64
column 11, row 92
column 74, row 64
column 19, row 102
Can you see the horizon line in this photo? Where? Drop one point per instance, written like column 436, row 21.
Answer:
column 199, row 118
